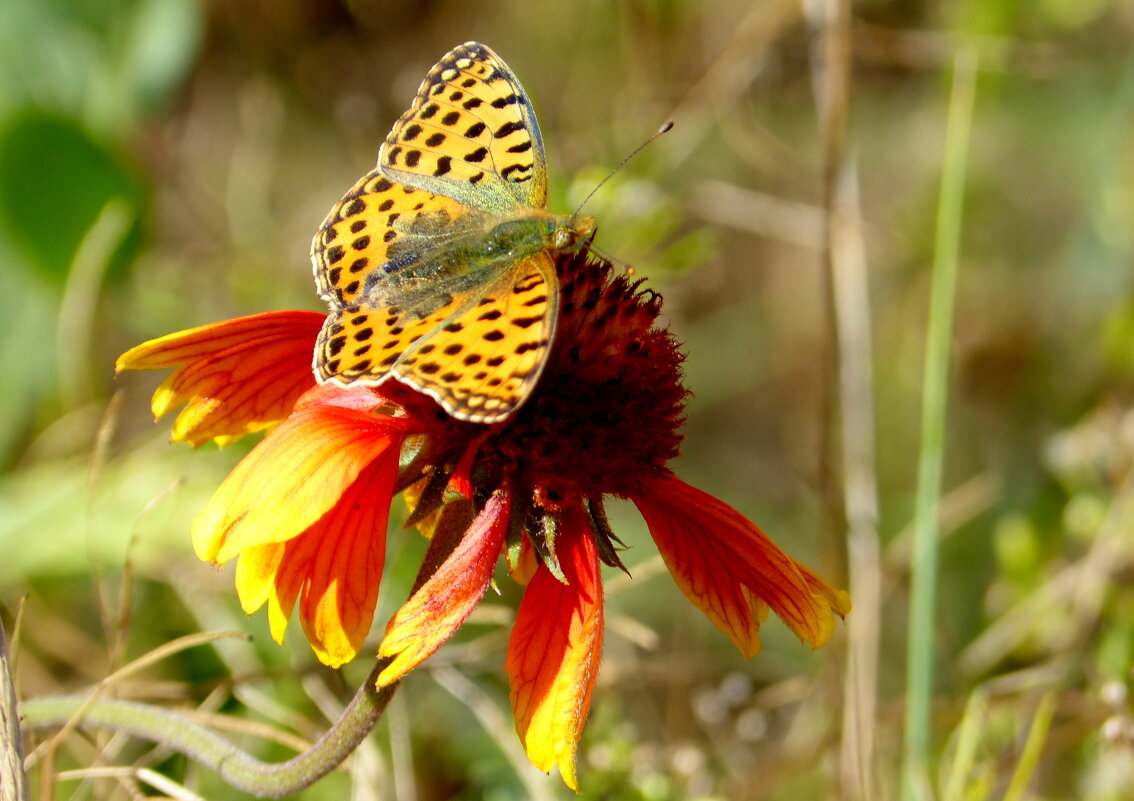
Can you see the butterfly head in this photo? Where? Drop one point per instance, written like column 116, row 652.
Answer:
column 572, row 233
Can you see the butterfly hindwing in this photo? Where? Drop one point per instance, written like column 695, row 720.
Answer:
column 471, row 134
column 361, row 344
column 483, row 361
column 478, row 355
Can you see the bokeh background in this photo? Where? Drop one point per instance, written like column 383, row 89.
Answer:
column 164, row 163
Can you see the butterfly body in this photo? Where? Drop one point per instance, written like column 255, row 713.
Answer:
column 473, row 256
column 439, row 265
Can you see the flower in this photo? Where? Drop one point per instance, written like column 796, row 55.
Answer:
column 306, row 510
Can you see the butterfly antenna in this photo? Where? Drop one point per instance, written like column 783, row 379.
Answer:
column 621, row 164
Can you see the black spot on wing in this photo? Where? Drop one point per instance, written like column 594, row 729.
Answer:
column 509, row 172
column 508, row 128
column 526, row 322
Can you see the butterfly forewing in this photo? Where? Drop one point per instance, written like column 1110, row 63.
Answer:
column 382, row 233
column 471, row 133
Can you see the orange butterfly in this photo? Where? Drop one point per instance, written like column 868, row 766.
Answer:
column 439, row 265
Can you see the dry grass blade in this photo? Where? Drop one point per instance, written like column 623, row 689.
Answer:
column 263, row 731
column 154, row 779
column 13, row 782
column 169, row 649
column 156, row 655
column 852, row 382
column 497, row 726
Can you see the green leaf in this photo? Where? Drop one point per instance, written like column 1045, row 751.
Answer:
column 55, row 179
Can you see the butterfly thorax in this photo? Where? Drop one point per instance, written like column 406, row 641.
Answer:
column 478, row 255
column 529, row 234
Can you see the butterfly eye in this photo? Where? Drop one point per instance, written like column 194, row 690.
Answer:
column 562, row 239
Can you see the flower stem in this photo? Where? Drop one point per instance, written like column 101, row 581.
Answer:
column 237, row 767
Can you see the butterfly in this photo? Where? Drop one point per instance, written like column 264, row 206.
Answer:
column 439, row 264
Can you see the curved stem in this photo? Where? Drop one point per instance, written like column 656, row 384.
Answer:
column 239, row 768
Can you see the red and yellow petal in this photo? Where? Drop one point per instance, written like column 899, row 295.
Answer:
column 439, row 607
column 182, row 347
column 730, row 569
column 553, row 654
column 259, row 579
column 234, row 377
column 522, row 561
column 256, row 571
column 334, row 568
column 345, row 552
column 295, row 476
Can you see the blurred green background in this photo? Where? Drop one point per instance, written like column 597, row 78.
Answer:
column 164, row 163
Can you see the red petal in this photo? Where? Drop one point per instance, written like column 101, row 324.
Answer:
column 359, row 398
column 446, row 600
column 235, row 377
column 726, row 566
column 554, row 651
column 461, row 480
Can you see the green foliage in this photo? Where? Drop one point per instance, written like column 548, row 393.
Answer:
column 55, row 180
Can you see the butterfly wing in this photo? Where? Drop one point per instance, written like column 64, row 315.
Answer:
column 383, row 236
column 479, row 354
column 467, row 152
column 470, row 134
column 361, row 343
column 483, row 362
column 401, row 258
